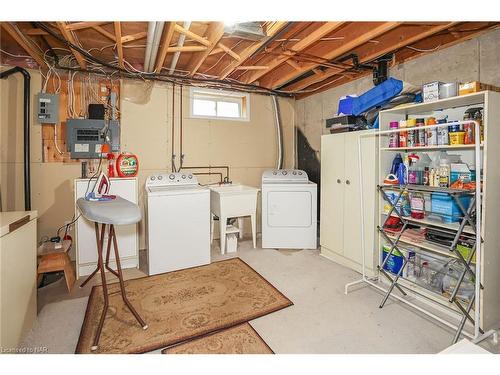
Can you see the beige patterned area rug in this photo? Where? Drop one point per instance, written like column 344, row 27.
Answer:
column 242, row 339
column 179, row 306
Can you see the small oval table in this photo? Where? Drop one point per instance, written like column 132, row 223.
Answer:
column 113, row 212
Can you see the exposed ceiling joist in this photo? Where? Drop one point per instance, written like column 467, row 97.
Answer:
column 252, row 67
column 168, row 32
column 247, row 52
column 192, row 35
column 187, row 49
column 229, row 51
column 23, row 41
column 302, row 44
column 304, row 83
column 83, row 25
column 132, row 37
column 69, row 37
column 119, row 46
column 35, row 31
column 104, row 32
column 275, row 82
column 214, row 33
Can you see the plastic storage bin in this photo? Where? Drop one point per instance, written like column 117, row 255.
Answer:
column 445, row 206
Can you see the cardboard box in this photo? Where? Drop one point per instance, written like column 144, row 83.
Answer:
column 475, row 86
column 430, row 91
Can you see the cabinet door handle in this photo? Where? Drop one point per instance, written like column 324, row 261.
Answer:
column 347, row 182
column 339, row 181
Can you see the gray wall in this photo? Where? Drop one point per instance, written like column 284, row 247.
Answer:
column 477, row 59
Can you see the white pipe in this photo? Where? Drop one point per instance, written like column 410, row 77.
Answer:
column 180, row 43
column 156, row 45
column 149, row 44
column 279, row 137
column 477, row 162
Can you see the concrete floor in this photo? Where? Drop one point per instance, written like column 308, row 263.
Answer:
column 322, row 320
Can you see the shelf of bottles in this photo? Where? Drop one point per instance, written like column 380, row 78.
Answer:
column 428, row 221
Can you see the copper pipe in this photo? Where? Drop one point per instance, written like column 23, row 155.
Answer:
column 210, row 174
column 211, row 167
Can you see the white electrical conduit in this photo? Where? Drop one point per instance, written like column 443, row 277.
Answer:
column 279, row 137
column 180, row 43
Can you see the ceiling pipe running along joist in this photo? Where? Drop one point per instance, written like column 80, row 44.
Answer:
column 155, row 30
column 180, row 43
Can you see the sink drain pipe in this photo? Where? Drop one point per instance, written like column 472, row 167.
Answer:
column 279, row 135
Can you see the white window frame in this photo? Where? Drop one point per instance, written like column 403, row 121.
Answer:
column 242, row 97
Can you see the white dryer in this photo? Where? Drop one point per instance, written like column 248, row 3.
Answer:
column 289, row 210
column 178, row 222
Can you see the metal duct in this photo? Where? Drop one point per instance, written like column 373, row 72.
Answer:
column 156, row 45
column 279, row 135
column 155, row 29
column 149, row 44
column 180, row 43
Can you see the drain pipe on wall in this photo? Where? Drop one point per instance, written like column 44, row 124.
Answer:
column 279, row 135
column 26, row 135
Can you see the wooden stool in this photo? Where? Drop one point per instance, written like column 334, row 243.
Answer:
column 54, row 259
column 113, row 212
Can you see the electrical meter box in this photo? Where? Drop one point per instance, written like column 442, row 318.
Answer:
column 47, row 108
column 84, row 138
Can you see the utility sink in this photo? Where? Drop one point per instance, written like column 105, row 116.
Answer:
column 233, row 201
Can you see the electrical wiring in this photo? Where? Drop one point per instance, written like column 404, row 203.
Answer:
column 213, row 83
column 55, row 140
column 424, row 50
column 12, row 55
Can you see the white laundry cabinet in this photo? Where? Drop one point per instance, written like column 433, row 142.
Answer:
column 340, row 222
column 126, row 235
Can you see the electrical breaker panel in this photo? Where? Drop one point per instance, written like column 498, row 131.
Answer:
column 84, row 138
column 48, row 108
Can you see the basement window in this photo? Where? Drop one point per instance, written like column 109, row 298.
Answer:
column 219, row 105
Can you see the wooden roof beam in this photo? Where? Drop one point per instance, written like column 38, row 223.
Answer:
column 214, row 33
column 23, row 41
column 302, row 84
column 119, row 45
column 275, row 82
column 69, row 37
column 168, row 32
column 247, row 52
column 313, row 37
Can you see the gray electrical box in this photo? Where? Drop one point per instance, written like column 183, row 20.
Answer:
column 47, row 108
column 84, row 138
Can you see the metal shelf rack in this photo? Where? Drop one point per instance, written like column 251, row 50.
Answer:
column 467, row 214
column 466, row 224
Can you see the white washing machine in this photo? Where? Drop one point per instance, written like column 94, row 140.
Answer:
column 289, row 210
column 178, row 222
